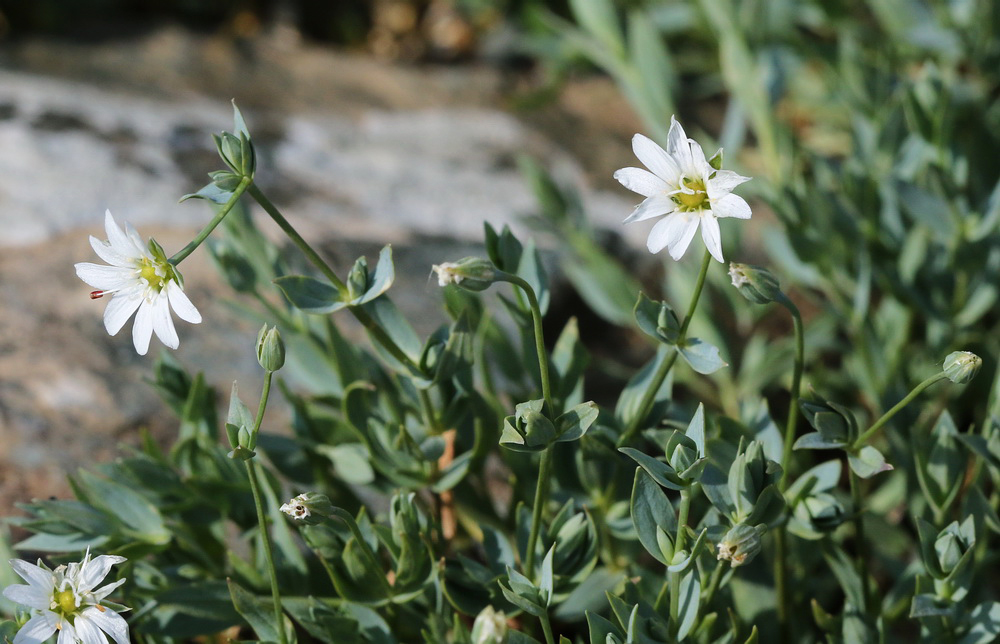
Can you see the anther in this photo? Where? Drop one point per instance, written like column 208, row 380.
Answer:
column 96, row 295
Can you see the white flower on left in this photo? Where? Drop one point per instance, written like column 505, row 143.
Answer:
column 65, row 600
column 685, row 187
column 140, row 279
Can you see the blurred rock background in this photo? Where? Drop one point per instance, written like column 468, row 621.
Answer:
column 378, row 121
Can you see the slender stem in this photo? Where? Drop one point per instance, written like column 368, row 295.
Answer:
column 781, row 537
column 679, row 543
column 713, row 583
column 376, row 331
column 541, row 496
column 264, row 394
column 871, row 431
column 180, row 255
column 547, row 628
column 649, row 396
column 536, row 319
column 433, row 424
column 266, row 540
column 861, row 544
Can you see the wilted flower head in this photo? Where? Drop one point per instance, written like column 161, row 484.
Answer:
column 684, row 186
column 961, row 366
column 308, row 507
column 141, row 279
column 754, row 283
column 490, row 627
column 470, row 273
column 65, row 600
column 741, row 544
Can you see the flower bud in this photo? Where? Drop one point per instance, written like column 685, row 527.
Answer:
column 309, row 508
column 270, row 349
column 755, row 283
column 490, row 627
column 470, row 273
column 961, row 366
column 237, row 152
column 741, row 544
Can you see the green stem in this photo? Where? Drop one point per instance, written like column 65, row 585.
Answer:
column 264, row 394
column 679, row 543
column 649, row 397
column 180, row 255
column 541, row 496
column 871, row 431
column 547, row 629
column 861, row 545
column 428, row 410
column 781, row 537
column 376, row 331
column 713, row 583
column 266, row 540
column 536, row 319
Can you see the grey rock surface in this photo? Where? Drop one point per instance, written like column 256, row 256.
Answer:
column 355, row 153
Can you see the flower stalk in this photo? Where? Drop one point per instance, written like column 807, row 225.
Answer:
column 182, row 254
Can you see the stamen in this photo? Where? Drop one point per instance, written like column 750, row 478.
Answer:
column 101, row 608
column 96, row 295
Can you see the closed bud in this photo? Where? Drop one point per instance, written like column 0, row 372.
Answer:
column 755, row 283
column 490, row 627
column 270, row 349
column 309, row 508
column 961, row 366
column 470, row 273
column 741, row 544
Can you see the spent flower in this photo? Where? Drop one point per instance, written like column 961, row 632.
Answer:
column 469, row 273
column 65, row 600
column 141, row 281
column 755, row 283
column 309, row 508
column 686, row 189
column 961, row 366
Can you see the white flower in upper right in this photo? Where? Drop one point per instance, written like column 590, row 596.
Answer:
column 684, row 186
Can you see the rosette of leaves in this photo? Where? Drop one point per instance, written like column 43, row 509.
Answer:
column 658, row 320
column 684, row 457
column 317, row 296
column 530, row 430
column 836, row 428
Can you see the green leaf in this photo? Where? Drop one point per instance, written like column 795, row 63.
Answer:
column 659, row 471
column 350, row 462
column 702, row 356
column 259, row 613
column 141, row 517
column 573, row 424
column 383, row 277
column 820, row 478
column 631, row 396
column 815, row 440
column 651, row 511
column 599, row 18
column 984, row 624
column 867, row 462
column 310, row 294
column 690, row 593
column 696, row 429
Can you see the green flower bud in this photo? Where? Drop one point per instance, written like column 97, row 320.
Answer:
column 237, row 152
column 470, row 273
column 949, row 549
column 490, row 627
column 528, row 430
column 755, row 283
column 270, row 349
column 961, row 366
column 741, row 544
column 309, row 508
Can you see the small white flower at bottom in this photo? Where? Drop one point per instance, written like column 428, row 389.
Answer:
column 296, row 508
column 65, row 600
column 141, row 281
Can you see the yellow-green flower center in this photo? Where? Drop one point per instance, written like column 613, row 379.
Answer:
column 65, row 602
column 156, row 276
column 695, row 200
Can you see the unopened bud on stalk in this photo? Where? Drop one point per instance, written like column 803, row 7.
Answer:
column 741, row 544
column 490, row 627
column 470, row 273
column 309, row 508
column 755, row 283
column 961, row 366
column 270, row 349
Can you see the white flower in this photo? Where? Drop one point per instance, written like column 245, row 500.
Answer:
column 296, row 508
column 447, row 273
column 140, row 279
column 682, row 185
column 64, row 600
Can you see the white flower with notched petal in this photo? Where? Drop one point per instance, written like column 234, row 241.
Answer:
column 684, row 186
column 141, row 279
column 65, row 600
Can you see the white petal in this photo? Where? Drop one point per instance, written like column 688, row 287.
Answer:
column 67, row 634
column 107, row 589
column 673, row 233
column 137, row 241
column 655, row 158
column 110, row 622
column 723, row 183
column 106, row 252
column 36, row 576
column 652, row 207
column 731, row 206
column 711, row 235
column 106, row 278
column 38, row 629
column 116, row 237
column 163, row 325
column 30, row 596
column 95, row 570
column 698, row 162
column 142, row 329
column 120, row 309
column 642, row 181
column 181, row 304
column 678, row 145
